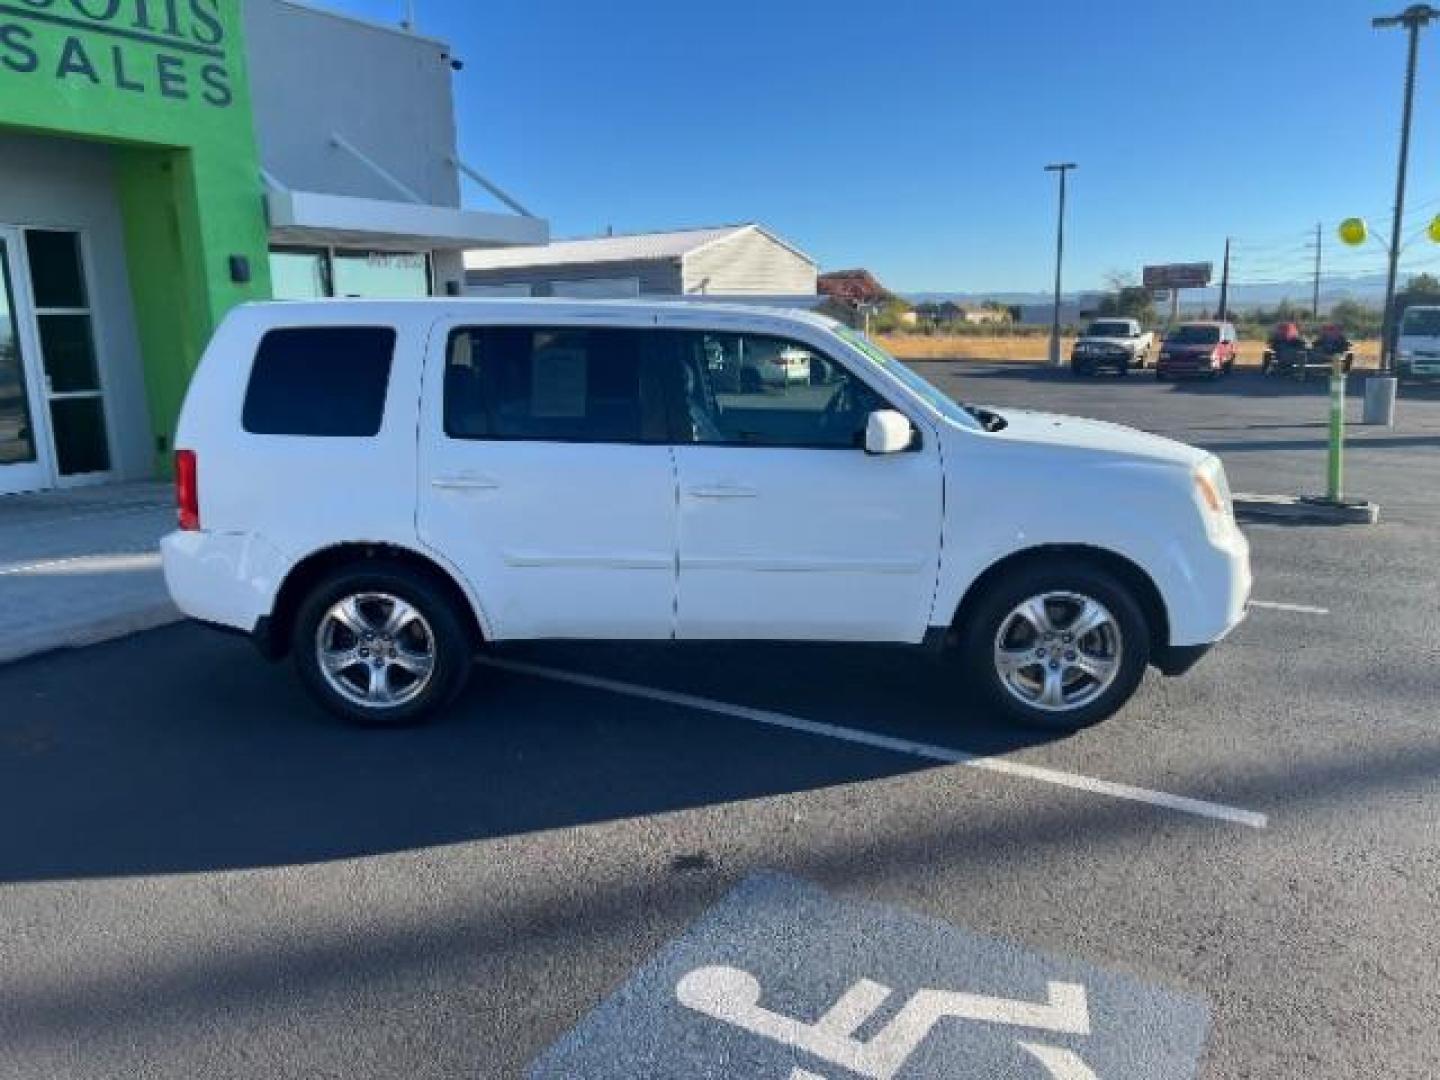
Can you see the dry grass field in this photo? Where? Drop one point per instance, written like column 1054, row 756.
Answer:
column 1032, row 349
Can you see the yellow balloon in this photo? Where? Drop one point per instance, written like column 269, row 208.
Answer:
column 1354, row 231
column 1434, row 229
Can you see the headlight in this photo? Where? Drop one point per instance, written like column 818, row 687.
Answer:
column 1212, row 490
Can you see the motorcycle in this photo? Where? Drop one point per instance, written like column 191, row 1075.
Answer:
column 1298, row 357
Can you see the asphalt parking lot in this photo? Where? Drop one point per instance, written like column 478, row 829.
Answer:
column 768, row 861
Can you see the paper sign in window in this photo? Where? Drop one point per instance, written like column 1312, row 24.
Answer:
column 558, row 383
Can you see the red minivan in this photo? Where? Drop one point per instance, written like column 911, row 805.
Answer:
column 1198, row 348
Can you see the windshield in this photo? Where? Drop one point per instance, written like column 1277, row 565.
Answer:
column 919, row 385
column 1194, row 335
column 1108, row 329
column 1421, row 322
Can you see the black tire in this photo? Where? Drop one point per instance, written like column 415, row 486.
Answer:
column 992, row 611
column 451, row 646
column 1081, row 368
column 1123, row 368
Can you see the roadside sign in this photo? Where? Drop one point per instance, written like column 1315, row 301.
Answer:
column 780, row 980
column 1178, row 276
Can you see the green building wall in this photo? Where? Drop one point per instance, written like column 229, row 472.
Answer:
column 165, row 81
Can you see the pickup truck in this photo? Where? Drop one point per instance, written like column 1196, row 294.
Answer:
column 1112, row 343
column 1419, row 343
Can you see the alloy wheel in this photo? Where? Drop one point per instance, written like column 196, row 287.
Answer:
column 375, row 649
column 1058, row 651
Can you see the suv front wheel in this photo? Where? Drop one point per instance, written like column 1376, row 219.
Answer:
column 380, row 645
column 1059, row 647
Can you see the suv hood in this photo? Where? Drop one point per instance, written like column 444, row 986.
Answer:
column 1053, row 429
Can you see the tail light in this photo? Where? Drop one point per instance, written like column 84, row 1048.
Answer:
column 187, row 490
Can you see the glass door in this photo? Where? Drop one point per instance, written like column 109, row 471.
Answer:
column 74, row 395
column 24, row 450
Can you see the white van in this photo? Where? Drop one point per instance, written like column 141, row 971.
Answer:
column 382, row 488
column 1418, row 348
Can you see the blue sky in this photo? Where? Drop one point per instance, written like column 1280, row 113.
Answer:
column 909, row 137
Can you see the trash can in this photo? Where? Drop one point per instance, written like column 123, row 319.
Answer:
column 1380, row 400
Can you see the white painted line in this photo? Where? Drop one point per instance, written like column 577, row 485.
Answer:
column 120, row 561
column 1301, row 609
column 929, row 751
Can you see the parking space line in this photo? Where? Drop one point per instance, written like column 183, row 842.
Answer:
column 1300, row 609
column 875, row 740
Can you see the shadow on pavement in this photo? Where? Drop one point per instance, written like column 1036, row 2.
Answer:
column 180, row 750
column 186, row 994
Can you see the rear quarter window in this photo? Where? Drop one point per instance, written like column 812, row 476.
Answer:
column 320, row 380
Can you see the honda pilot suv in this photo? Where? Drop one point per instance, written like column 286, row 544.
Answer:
column 379, row 489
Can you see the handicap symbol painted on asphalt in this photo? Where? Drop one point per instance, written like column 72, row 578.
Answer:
column 733, row 996
column 781, row 981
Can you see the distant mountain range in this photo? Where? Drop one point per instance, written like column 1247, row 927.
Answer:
column 1366, row 290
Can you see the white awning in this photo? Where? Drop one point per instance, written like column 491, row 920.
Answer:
column 308, row 217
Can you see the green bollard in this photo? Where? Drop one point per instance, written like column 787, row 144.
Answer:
column 1335, row 487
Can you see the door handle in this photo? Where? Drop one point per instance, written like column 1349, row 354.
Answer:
column 464, row 483
column 722, row 491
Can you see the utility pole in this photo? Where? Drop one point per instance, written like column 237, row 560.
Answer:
column 1414, row 19
column 1315, row 298
column 1225, row 283
column 1062, row 168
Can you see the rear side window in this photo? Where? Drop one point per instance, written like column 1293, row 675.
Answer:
column 320, row 380
column 552, row 384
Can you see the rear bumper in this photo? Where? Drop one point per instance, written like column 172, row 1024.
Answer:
column 226, row 579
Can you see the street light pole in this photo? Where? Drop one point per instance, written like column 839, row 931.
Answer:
column 1413, row 19
column 1062, row 168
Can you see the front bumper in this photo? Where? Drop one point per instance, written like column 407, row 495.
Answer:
column 1105, row 359
column 1215, row 611
column 1176, row 660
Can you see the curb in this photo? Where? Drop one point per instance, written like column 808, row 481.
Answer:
column 1303, row 510
column 93, row 633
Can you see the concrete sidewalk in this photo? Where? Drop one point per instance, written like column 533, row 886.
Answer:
column 82, row 565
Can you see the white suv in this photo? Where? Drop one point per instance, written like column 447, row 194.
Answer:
column 382, row 488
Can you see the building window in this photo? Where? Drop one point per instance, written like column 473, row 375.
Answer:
column 314, row 273
column 389, row 274
column 68, row 352
column 299, row 273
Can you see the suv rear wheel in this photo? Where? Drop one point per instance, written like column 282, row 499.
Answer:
column 380, row 645
column 1058, row 647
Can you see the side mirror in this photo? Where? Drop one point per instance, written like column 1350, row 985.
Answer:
column 888, row 432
